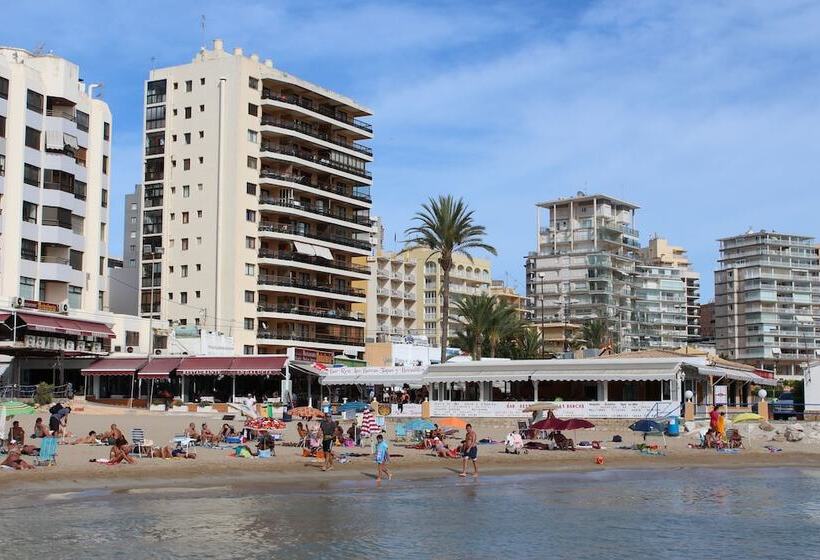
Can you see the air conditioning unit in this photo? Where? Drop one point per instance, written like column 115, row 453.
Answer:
column 97, row 347
column 59, row 343
column 69, row 345
column 117, row 348
column 30, row 340
column 64, row 308
column 41, row 342
column 157, row 351
column 130, row 349
column 19, row 302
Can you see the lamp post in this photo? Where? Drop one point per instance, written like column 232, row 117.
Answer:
column 543, row 317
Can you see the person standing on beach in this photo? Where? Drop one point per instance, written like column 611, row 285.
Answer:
column 714, row 416
column 328, row 427
column 382, row 458
column 469, row 450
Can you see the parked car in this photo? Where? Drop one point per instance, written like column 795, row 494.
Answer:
column 783, row 407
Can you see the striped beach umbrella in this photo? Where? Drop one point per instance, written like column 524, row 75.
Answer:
column 369, row 426
column 13, row 408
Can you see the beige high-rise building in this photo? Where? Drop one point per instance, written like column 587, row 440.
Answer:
column 507, row 294
column 55, row 165
column 256, row 199
column 467, row 277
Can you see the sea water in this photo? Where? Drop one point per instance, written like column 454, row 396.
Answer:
column 683, row 513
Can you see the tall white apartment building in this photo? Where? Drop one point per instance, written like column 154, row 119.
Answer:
column 256, row 199
column 55, row 166
column 659, row 308
column 767, row 301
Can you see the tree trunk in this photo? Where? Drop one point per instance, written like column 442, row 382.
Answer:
column 445, row 306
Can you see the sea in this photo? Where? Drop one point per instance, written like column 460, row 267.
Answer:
column 608, row 514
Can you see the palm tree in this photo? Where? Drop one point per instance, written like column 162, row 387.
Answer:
column 446, row 226
column 504, row 323
column 596, row 333
column 524, row 344
column 475, row 317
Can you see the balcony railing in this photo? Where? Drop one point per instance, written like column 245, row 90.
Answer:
column 302, row 180
column 309, row 105
column 146, row 308
column 154, row 150
column 152, row 281
column 149, row 229
column 62, row 114
column 320, row 338
column 311, row 312
column 154, row 175
column 291, row 230
column 53, row 260
column 311, row 131
column 314, row 209
column 309, row 259
column 315, row 158
column 153, row 98
column 293, row 283
column 151, row 201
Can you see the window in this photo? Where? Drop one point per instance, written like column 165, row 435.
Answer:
column 186, row 164
column 29, row 212
column 32, row 138
column 184, row 243
column 75, row 297
column 31, row 175
column 183, row 297
column 187, row 112
column 253, row 136
column 2, row 165
column 133, row 219
column 199, row 187
column 250, row 242
column 2, row 126
column 202, row 134
column 250, row 215
column 247, row 349
column 155, row 92
column 183, row 270
column 250, row 270
column 132, row 262
column 132, row 338
column 186, row 191
column 248, row 324
column 102, row 266
column 104, row 201
column 26, row 287
column 251, row 162
column 173, row 216
column 199, row 241
column 175, row 112
column 176, row 85
column 106, row 131
column 101, row 301
column 133, row 206
column 4, row 88
column 75, row 259
column 250, row 188
column 202, row 81
column 170, row 295
column 253, row 83
column 187, row 137
column 133, row 235
column 201, row 159
column 105, row 165
column 202, row 108
column 154, row 117
column 199, row 266
column 185, row 217
column 189, row 85
column 197, row 293
column 34, row 101
column 199, row 213
column 249, row 296
column 171, row 269
column 253, row 109
column 173, row 138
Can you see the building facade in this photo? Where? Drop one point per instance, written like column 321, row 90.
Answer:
column 55, row 164
column 508, row 294
column 584, row 264
column 391, row 296
column 660, row 319
column 467, row 277
column 707, row 322
column 255, row 201
column 767, row 301
column 125, row 278
column 660, row 253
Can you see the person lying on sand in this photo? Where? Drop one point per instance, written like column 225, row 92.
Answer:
column 168, row 452
column 443, row 451
column 90, row 439
column 14, row 460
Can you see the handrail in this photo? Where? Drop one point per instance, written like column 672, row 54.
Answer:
column 313, row 158
column 291, row 230
column 302, row 180
column 311, row 312
column 314, row 209
column 311, row 131
column 286, row 281
column 326, row 339
column 333, row 114
column 309, row 259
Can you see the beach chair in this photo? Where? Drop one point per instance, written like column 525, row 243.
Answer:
column 48, row 452
column 401, row 432
column 185, row 442
column 138, row 441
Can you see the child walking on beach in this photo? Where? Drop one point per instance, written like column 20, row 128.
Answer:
column 382, row 458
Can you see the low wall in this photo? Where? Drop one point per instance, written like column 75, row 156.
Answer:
column 135, row 403
column 564, row 409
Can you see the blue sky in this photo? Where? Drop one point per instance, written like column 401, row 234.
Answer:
column 705, row 114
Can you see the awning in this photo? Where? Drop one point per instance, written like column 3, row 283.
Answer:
column 65, row 325
column 159, row 368
column 390, row 376
column 258, row 365
column 205, row 365
column 54, row 140
column 735, row 374
column 114, row 366
column 4, row 316
column 304, row 248
column 71, row 141
column 323, row 252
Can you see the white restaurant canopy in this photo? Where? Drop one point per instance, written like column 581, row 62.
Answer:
column 391, row 376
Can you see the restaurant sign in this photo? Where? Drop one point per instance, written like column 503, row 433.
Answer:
column 563, row 409
column 309, row 355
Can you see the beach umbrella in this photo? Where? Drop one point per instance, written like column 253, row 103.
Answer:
column 550, row 423
column 419, row 425
column 369, row 426
column 647, row 426
column 747, row 417
column 577, row 424
column 452, row 422
column 307, row 412
column 14, row 408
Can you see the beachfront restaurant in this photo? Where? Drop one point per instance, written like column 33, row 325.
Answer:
column 608, row 387
column 355, row 383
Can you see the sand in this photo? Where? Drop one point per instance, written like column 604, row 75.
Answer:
column 214, row 467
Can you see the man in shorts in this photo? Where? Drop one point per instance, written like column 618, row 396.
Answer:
column 469, row 450
column 328, row 427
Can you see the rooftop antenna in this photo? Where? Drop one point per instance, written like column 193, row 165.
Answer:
column 153, row 62
column 39, row 49
column 202, row 28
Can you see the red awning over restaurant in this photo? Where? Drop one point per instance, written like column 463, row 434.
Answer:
column 41, row 322
column 115, row 366
column 258, row 365
column 159, row 368
column 64, row 325
column 205, row 365
column 4, row 316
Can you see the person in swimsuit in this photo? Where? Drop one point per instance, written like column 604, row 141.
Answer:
column 90, row 439
column 328, row 428
column 14, row 460
column 40, row 429
column 112, row 435
column 16, row 434
column 469, row 450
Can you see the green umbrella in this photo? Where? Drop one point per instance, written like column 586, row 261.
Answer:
column 13, row 408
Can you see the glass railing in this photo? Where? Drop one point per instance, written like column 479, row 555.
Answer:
column 290, row 229
column 309, row 105
column 311, row 131
column 309, row 259
column 302, row 180
column 315, row 158
column 320, row 338
column 311, row 312
column 314, row 209
column 293, row 283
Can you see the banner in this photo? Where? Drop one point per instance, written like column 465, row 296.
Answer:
column 564, row 409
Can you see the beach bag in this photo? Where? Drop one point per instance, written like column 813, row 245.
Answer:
column 617, row 439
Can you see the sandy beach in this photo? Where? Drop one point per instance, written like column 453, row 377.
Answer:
column 215, row 467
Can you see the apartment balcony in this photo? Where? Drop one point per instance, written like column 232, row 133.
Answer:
column 151, row 229
column 315, row 159
column 290, row 229
column 312, row 260
column 340, row 190
column 154, row 150
column 287, row 282
column 334, row 315
column 327, row 112
column 154, row 281
column 319, row 210
column 149, row 308
column 303, row 128
column 285, row 338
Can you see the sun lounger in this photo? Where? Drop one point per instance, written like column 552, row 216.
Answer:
column 48, row 452
column 138, row 441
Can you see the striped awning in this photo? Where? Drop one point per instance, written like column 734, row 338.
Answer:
column 159, row 368
column 205, row 365
column 64, row 325
column 115, row 366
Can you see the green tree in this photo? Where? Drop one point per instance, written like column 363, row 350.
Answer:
column 595, row 333
column 475, row 318
column 504, row 323
column 525, row 345
column 43, row 393
column 446, row 226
